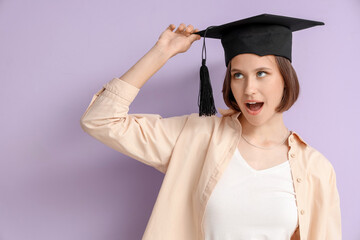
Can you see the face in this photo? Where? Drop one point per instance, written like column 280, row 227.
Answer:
column 257, row 78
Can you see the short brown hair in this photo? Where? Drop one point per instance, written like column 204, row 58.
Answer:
column 291, row 86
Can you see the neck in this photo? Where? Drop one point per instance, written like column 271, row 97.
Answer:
column 267, row 134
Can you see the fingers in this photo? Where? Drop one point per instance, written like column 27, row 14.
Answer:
column 187, row 31
column 181, row 28
column 171, row 27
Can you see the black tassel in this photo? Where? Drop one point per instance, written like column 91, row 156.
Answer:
column 205, row 100
column 207, row 105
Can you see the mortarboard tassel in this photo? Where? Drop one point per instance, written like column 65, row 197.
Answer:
column 206, row 99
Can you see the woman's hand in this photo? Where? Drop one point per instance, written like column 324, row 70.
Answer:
column 178, row 41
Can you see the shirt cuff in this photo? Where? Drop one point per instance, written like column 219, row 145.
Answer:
column 122, row 89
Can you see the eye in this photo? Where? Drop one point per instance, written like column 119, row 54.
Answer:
column 236, row 74
column 262, row 72
column 239, row 75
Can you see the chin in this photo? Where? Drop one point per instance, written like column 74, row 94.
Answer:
column 255, row 120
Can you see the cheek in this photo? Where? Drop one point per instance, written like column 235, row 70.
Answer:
column 236, row 88
column 236, row 91
column 238, row 95
column 276, row 91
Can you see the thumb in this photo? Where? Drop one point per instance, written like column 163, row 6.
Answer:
column 193, row 37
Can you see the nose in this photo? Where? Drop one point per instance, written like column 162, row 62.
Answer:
column 250, row 86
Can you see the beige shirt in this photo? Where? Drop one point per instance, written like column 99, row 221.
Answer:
column 193, row 153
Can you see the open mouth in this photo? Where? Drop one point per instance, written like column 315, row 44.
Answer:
column 254, row 106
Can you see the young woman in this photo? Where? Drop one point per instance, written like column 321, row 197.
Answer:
column 243, row 175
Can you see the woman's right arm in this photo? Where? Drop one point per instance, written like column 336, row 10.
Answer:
column 148, row 138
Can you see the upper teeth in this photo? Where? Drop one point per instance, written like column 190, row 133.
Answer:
column 251, row 102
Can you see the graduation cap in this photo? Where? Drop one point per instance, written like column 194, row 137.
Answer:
column 263, row 34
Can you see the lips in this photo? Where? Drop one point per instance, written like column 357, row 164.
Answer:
column 254, row 109
column 252, row 100
column 258, row 104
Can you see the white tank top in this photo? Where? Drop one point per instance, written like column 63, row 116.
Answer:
column 249, row 204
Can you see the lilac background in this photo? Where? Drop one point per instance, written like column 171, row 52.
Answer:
column 56, row 182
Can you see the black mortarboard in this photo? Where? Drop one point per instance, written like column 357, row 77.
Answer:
column 263, row 34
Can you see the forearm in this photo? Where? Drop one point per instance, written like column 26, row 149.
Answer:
column 147, row 66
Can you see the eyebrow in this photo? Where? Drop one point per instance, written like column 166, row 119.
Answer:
column 257, row 69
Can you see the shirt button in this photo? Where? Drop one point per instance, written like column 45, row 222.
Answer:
column 302, row 211
column 298, row 180
column 292, row 155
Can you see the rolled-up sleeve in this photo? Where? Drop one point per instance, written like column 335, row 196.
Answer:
column 148, row 138
column 333, row 226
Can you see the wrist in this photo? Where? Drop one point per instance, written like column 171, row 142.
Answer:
column 163, row 51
